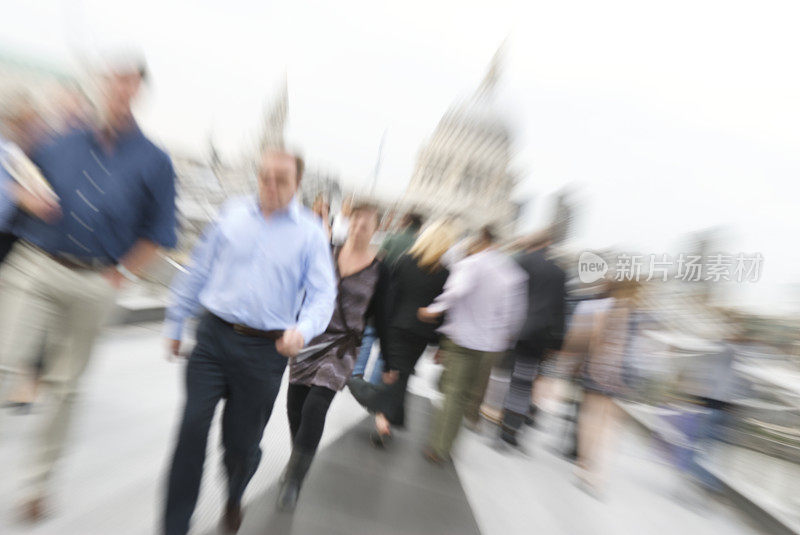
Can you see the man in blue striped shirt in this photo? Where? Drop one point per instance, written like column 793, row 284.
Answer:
column 263, row 273
column 114, row 205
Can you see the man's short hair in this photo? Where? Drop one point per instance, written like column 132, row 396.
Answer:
column 299, row 163
column 413, row 220
column 364, row 206
column 125, row 60
column 487, row 234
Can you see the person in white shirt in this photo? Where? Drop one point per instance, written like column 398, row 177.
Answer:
column 485, row 301
column 341, row 225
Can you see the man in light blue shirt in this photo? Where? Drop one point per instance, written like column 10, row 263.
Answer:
column 264, row 275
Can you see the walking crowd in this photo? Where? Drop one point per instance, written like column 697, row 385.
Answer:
column 273, row 285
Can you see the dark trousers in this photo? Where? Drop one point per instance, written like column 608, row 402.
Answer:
column 404, row 348
column 527, row 356
column 307, row 407
column 246, row 371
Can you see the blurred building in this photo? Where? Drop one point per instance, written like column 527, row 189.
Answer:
column 272, row 131
column 464, row 170
column 318, row 182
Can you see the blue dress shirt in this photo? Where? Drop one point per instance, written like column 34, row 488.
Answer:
column 108, row 200
column 254, row 271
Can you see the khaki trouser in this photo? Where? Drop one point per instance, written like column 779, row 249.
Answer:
column 464, row 383
column 46, row 305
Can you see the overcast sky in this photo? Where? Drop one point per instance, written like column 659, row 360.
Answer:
column 665, row 117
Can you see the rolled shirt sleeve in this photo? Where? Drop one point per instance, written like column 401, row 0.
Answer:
column 320, row 286
column 160, row 227
column 458, row 284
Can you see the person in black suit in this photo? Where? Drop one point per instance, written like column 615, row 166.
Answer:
column 417, row 278
column 543, row 331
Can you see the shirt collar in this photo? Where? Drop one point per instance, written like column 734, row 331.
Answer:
column 292, row 210
column 132, row 132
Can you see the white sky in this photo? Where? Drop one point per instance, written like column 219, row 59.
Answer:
column 667, row 117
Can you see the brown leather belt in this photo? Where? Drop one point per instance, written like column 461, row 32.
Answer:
column 75, row 263
column 244, row 330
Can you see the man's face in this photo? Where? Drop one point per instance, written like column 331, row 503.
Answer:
column 277, row 181
column 363, row 224
column 119, row 91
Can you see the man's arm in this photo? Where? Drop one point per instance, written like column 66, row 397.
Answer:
column 517, row 304
column 458, row 284
column 161, row 224
column 320, row 286
column 159, row 229
column 185, row 298
column 135, row 261
column 14, row 196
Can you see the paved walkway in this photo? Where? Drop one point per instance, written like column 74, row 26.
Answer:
column 111, row 479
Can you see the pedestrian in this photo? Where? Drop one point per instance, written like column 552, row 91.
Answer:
column 391, row 249
column 543, row 331
column 318, row 373
column 484, row 300
column 603, row 381
column 417, row 279
column 263, row 274
column 341, row 224
column 115, row 207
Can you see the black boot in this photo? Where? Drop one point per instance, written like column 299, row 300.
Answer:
column 530, row 418
column 232, row 519
column 296, row 472
column 511, row 424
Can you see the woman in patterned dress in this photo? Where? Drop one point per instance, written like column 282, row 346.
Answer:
column 323, row 367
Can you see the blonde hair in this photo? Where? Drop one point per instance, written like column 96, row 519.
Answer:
column 433, row 243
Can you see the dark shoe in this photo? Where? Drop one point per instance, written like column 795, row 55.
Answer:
column 432, row 457
column 377, row 440
column 509, row 437
column 232, row 519
column 20, row 407
column 296, row 471
column 512, row 422
column 530, row 418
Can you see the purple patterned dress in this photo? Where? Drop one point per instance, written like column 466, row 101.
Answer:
column 330, row 358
